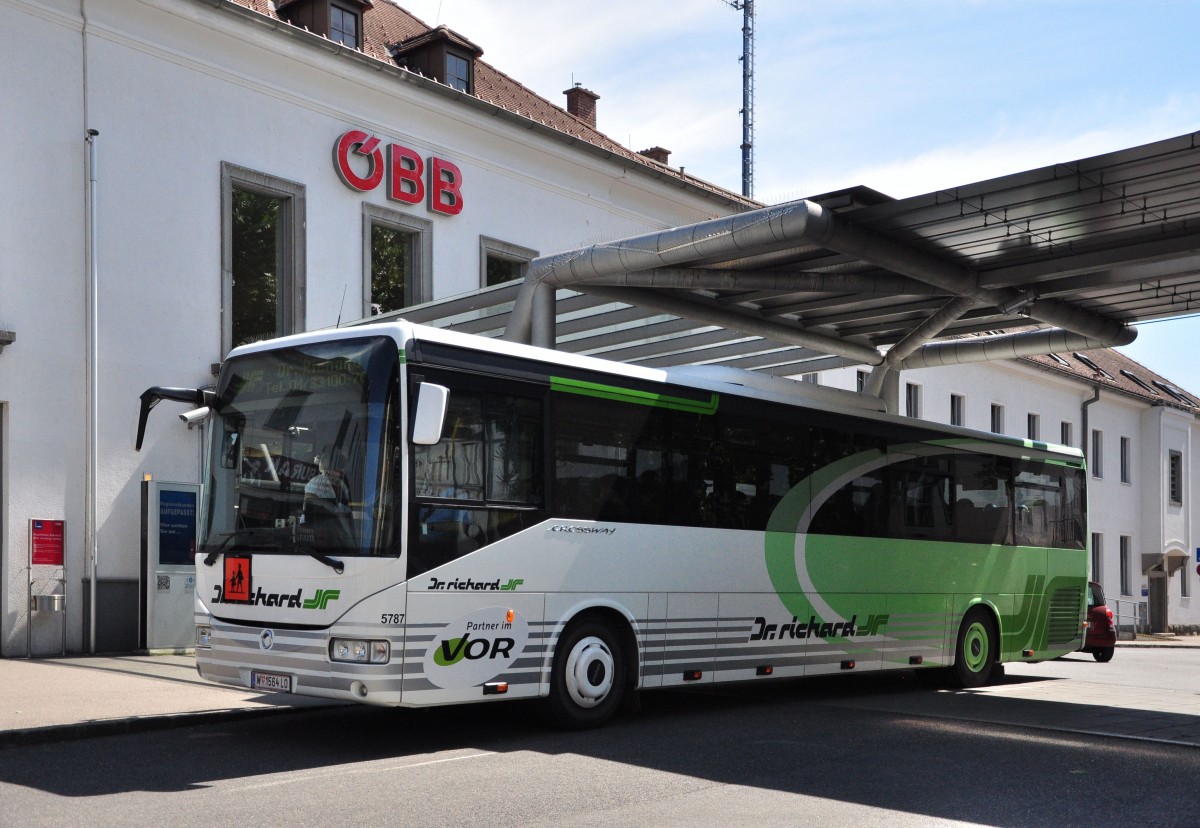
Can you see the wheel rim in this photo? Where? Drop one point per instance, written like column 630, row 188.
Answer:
column 975, row 647
column 589, row 672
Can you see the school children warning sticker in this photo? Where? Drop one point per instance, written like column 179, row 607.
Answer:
column 476, row 647
column 236, row 582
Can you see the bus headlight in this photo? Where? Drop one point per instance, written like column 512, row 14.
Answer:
column 203, row 636
column 360, row 651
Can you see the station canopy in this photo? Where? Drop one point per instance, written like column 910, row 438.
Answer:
column 1064, row 258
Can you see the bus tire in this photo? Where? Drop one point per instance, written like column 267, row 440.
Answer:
column 588, row 678
column 977, row 649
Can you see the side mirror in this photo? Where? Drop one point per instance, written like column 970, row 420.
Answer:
column 431, row 413
column 203, row 397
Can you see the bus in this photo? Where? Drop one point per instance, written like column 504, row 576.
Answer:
column 402, row 515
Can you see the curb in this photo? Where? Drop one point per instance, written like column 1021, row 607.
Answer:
column 142, row 724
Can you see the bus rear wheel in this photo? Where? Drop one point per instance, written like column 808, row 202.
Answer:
column 589, row 675
column 976, row 651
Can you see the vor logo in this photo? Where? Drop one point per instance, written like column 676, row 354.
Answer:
column 454, row 651
column 476, row 647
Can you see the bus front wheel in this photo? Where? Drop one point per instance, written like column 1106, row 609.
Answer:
column 977, row 649
column 588, row 679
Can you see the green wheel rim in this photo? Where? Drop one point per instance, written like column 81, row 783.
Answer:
column 975, row 647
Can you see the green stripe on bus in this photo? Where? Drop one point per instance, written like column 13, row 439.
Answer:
column 629, row 395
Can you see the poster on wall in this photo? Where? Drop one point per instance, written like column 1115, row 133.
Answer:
column 176, row 527
column 46, row 542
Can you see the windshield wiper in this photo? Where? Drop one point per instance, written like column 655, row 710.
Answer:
column 211, row 557
column 334, row 564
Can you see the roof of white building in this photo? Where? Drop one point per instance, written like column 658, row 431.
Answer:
column 1110, row 369
column 389, row 30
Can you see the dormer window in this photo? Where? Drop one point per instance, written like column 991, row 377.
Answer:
column 344, row 26
column 442, row 55
column 458, row 72
column 339, row 20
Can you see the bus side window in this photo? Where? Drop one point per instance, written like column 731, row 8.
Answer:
column 1049, row 503
column 477, row 484
column 982, row 503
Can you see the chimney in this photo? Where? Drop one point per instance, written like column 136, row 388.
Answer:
column 582, row 104
column 656, row 154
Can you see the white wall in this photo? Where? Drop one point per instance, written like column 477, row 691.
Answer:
column 175, row 89
column 41, row 296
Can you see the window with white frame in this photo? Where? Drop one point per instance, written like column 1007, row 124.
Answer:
column 860, row 381
column 958, row 407
column 1096, row 460
column 997, row 418
column 1097, row 548
column 912, row 400
column 1126, row 460
column 1064, row 433
column 262, row 256
column 1175, row 477
column 1033, row 426
column 1126, row 565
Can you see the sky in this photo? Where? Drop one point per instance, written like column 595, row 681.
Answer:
column 903, row 97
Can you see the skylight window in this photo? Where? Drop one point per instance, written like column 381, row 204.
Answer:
column 1175, row 392
column 1091, row 364
column 1059, row 360
column 1141, row 383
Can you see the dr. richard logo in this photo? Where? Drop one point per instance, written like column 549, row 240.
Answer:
column 760, row 630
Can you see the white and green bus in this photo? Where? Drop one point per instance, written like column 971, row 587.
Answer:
column 402, row 515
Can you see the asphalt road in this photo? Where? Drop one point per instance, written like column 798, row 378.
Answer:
column 830, row 752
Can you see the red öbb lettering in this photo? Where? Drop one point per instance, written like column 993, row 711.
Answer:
column 410, row 179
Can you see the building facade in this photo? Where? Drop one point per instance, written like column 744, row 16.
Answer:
column 258, row 169
column 182, row 176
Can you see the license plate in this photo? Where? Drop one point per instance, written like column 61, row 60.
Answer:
column 273, row 682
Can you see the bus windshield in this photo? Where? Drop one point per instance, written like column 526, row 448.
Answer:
column 301, row 454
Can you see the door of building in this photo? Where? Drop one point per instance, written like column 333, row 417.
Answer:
column 1158, row 600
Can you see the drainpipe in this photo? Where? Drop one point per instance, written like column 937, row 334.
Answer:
column 1085, row 439
column 1085, row 444
column 93, row 392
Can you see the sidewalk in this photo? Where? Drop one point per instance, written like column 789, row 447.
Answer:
column 1191, row 642
column 57, row 699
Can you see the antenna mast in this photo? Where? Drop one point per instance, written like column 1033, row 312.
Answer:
column 746, row 7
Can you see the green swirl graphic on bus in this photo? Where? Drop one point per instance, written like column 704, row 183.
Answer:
column 476, row 647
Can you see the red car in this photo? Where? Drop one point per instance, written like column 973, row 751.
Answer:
column 1101, row 631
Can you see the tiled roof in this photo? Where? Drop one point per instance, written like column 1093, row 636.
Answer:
column 1111, row 369
column 386, row 24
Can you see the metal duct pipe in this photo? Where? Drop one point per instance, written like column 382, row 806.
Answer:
column 722, row 238
column 743, row 324
column 916, row 339
column 1011, row 346
column 778, row 281
column 800, row 222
